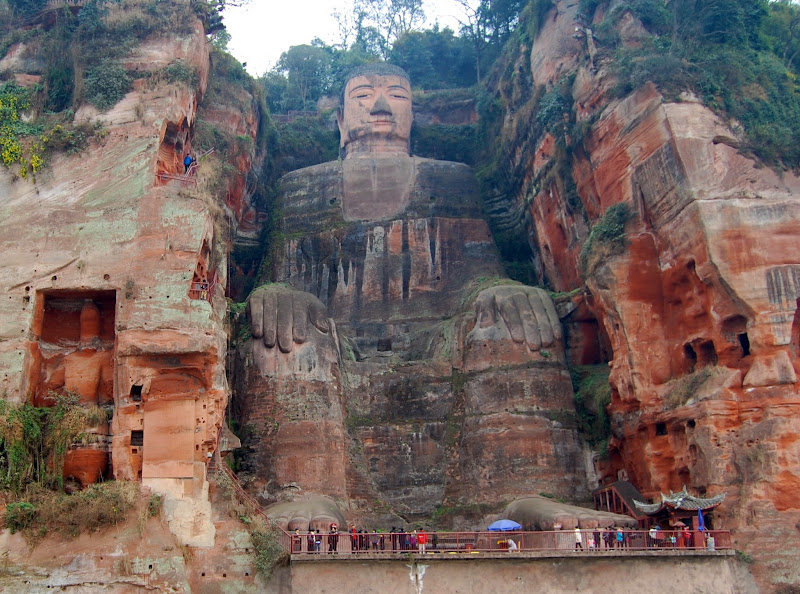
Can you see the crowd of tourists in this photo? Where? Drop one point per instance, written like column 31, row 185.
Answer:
column 420, row 541
column 396, row 539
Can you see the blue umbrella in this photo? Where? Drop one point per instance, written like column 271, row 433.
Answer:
column 700, row 522
column 504, row 526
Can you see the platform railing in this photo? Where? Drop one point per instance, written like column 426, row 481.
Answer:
column 593, row 541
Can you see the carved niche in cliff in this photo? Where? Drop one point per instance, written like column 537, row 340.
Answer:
column 73, row 355
column 429, row 383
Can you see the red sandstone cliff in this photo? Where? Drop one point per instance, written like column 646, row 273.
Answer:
column 114, row 274
column 700, row 309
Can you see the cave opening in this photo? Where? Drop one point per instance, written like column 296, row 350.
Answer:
column 661, row 428
column 744, row 342
column 706, row 353
column 690, row 356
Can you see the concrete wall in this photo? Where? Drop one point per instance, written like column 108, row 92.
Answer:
column 619, row 575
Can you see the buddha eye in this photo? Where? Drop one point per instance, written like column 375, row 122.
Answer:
column 363, row 92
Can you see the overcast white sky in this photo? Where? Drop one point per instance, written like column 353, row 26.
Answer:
column 265, row 29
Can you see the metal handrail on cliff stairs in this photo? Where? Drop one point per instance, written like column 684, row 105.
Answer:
column 246, row 499
column 190, row 177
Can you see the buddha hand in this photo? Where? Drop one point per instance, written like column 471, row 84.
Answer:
column 284, row 317
column 526, row 314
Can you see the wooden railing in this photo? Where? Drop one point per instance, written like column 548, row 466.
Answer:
column 59, row 3
column 610, row 500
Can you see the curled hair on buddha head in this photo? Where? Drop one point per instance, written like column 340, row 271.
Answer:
column 374, row 68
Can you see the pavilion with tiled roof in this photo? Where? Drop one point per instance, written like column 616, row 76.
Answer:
column 679, row 506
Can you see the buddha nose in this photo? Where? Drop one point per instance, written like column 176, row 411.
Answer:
column 381, row 107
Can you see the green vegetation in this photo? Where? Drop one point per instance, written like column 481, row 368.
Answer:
column 445, row 142
column 737, row 56
column 305, row 141
column 34, row 441
column 264, row 535
column 106, row 84
column 20, row 143
column 502, row 174
column 154, row 505
column 81, row 50
column 606, row 239
column 33, row 445
column 26, row 145
column 19, row 515
column 268, row 550
column 592, row 397
column 434, row 58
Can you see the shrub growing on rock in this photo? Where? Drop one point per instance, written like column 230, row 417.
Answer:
column 606, row 239
column 106, row 85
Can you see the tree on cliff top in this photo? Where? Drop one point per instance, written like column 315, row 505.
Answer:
column 374, row 25
column 738, row 56
column 27, row 8
column 488, row 25
column 306, row 68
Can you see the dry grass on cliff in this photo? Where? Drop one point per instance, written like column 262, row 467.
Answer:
column 48, row 512
column 149, row 16
column 683, row 389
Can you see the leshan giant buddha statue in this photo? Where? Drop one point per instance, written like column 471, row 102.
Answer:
column 393, row 362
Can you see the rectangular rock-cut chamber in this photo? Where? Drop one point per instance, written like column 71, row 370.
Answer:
column 72, row 351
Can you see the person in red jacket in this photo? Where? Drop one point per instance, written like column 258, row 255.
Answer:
column 422, row 541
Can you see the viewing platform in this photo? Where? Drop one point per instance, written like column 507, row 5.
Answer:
column 494, row 545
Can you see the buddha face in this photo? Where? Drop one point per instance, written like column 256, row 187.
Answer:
column 376, row 116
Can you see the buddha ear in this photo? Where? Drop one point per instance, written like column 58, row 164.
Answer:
column 340, row 122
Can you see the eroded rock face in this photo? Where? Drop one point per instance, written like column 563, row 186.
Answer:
column 401, row 270
column 458, row 411
column 99, row 261
column 700, row 309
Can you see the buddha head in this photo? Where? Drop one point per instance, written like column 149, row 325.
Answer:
column 375, row 116
column 90, row 322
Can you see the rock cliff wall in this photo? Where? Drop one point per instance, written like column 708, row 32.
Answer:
column 114, row 275
column 699, row 308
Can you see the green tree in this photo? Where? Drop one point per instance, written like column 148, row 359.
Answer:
column 27, row 8
column 782, row 27
column 307, row 69
column 372, row 26
column 488, row 25
column 275, row 90
column 435, row 58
